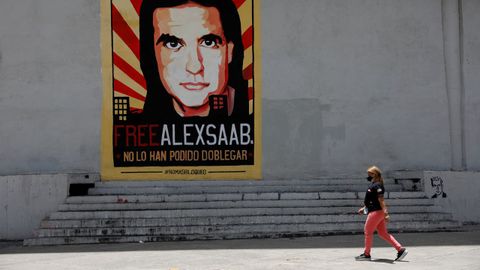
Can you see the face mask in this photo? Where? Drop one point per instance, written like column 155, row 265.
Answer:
column 369, row 178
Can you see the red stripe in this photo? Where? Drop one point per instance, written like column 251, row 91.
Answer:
column 247, row 38
column 137, row 4
column 135, row 110
column 119, row 87
column 129, row 70
column 250, row 93
column 248, row 72
column 238, row 3
column 122, row 29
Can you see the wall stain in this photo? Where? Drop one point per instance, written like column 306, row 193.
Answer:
column 296, row 137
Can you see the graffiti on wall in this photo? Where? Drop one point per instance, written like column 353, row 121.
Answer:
column 181, row 89
column 437, row 185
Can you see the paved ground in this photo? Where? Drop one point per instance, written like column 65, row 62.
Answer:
column 445, row 250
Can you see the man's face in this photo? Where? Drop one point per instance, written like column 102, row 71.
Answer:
column 192, row 52
column 437, row 184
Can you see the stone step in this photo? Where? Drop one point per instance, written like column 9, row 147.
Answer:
column 71, row 226
column 118, row 206
column 155, row 230
column 245, row 231
column 230, row 189
column 238, row 183
column 216, row 212
column 236, row 197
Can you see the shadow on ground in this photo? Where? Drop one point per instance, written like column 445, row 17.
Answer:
column 387, row 261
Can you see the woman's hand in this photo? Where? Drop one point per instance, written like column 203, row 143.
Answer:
column 360, row 211
column 387, row 217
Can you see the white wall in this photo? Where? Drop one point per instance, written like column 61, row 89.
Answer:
column 351, row 83
column 347, row 83
column 471, row 65
column 27, row 199
column 50, row 86
column 462, row 193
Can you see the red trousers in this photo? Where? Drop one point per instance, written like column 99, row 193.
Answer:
column 376, row 221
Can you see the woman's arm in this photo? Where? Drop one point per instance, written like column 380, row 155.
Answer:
column 384, row 207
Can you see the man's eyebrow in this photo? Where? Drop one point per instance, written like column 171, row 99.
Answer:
column 166, row 38
column 214, row 37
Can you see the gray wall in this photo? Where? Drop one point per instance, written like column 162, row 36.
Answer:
column 346, row 83
column 471, row 65
column 351, row 83
column 50, row 86
column 27, row 199
column 461, row 189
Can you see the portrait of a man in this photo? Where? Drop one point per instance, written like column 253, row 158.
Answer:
column 191, row 55
column 437, row 185
column 182, row 89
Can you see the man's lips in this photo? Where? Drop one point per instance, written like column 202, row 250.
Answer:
column 195, row 86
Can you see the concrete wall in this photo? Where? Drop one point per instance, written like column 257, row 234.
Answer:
column 27, row 199
column 50, row 86
column 471, row 67
column 347, row 83
column 460, row 193
column 351, row 83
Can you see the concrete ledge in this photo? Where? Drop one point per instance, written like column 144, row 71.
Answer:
column 230, row 183
column 403, row 195
column 299, row 196
column 132, row 205
column 27, row 199
column 338, row 195
column 405, row 174
column 231, row 189
column 261, row 196
column 83, row 178
column 213, row 212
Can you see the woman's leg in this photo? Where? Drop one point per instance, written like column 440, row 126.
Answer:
column 383, row 233
column 373, row 219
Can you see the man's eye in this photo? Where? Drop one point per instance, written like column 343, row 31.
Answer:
column 174, row 45
column 209, row 43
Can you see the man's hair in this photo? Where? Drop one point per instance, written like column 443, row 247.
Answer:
column 158, row 103
column 436, row 181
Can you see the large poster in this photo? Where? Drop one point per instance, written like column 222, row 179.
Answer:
column 181, row 90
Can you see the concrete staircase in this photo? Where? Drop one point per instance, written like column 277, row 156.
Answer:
column 116, row 212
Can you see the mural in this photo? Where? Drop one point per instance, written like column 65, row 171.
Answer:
column 181, row 89
column 437, row 185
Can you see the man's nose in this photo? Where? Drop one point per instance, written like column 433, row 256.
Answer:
column 194, row 61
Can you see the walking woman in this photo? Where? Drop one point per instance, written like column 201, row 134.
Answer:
column 374, row 206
